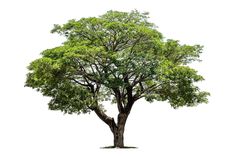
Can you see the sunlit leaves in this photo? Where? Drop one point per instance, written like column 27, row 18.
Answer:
column 181, row 54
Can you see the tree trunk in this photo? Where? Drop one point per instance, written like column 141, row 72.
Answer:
column 118, row 135
column 116, row 128
column 118, row 131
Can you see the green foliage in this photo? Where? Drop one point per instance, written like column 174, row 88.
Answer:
column 118, row 56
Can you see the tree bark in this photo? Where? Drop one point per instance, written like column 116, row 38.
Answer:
column 118, row 140
column 118, row 132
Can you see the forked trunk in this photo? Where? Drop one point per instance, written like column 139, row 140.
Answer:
column 116, row 128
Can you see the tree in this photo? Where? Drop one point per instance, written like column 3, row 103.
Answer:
column 120, row 57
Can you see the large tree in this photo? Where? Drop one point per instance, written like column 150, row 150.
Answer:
column 120, row 57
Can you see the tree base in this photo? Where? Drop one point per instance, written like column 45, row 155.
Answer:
column 113, row 147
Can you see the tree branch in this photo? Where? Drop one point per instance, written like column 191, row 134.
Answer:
column 105, row 118
column 119, row 99
column 76, row 81
column 130, row 100
column 145, row 90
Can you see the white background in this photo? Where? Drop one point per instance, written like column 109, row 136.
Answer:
column 28, row 128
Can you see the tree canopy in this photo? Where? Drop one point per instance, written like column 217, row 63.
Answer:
column 105, row 57
column 119, row 56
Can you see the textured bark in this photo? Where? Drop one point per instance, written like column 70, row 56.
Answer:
column 118, row 132
column 118, row 140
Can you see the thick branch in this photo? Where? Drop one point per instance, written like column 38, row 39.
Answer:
column 119, row 100
column 130, row 100
column 105, row 118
